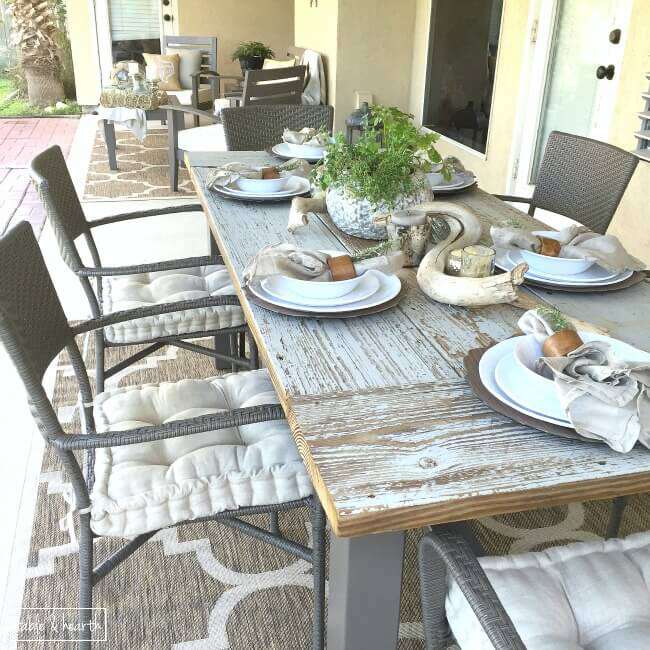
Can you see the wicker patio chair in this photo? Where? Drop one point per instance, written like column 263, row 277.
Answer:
column 246, row 128
column 451, row 576
column 142, row 283
column 582, row 179
column 248, row 463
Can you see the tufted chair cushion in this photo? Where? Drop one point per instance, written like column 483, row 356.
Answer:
column 145, row 289
column 584, row 596
column 147, row 486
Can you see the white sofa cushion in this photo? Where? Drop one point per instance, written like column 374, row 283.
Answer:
column 151, row 485
column 202, row 138
column 146, row 289
column 587, row 595
column 185, row 96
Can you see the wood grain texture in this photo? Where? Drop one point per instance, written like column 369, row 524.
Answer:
column 371, row 400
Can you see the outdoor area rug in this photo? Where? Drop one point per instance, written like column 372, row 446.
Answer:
column 204, row 586
column 143, row 169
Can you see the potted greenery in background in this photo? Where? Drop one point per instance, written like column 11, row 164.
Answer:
column 251, row 55
column 383, row 170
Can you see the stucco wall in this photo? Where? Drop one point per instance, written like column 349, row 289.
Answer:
column 368, row 45
column 233, row 21
column 317, row 28
column 84, row 51
column 632, row 220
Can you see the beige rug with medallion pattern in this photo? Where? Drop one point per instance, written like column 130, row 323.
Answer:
column 143, row 169
column 203, row 586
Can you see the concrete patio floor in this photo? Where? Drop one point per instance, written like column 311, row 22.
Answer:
column 153, row 239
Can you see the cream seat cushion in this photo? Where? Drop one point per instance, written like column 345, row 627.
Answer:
column 147, row 486
column 146, row 289
column 588, row 595
column 202, row 138
column 185, row 96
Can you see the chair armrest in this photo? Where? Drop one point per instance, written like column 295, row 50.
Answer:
column 513, row 199
column 153, row 310
column 170, row 108
column 168, row 265
column 177, row 429
column 213, row 73
column 444, row 551
column 154, row 212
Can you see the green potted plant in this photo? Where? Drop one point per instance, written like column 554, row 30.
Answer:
column 383, row 170
column 251, row 55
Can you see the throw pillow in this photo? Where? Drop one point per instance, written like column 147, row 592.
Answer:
column 272, row 64
column 189, row 63
column 163, row 67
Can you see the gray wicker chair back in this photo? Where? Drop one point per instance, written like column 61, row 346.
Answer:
column 57, row 191
column 582, row 179
column 32, row 322
column 255, row 128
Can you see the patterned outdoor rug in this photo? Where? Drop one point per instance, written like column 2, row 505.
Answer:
column 143, row 169
column 204, row 586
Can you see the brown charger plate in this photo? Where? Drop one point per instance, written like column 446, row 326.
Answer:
column 635, row 278
column 472, row 361
column 308, row 314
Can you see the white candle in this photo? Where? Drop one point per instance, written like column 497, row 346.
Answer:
column 134, row 67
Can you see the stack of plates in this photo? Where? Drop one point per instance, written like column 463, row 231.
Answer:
column 459, row 181
column 295, row 186
column 595, row 276
column 505, row 377
column 372, row 290
column 287, row 152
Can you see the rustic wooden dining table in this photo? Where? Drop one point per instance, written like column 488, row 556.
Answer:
column 388, row 427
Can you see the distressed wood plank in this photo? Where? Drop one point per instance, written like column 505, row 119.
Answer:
column 389, row 429
column 403, row 456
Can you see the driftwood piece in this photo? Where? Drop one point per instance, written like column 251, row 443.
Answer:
column 464, row 229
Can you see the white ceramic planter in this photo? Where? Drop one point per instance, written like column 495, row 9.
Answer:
column 355, row 216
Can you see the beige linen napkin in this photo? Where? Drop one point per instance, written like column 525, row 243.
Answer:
column 301, row 264
column 605, row 398
column 307, row 136
column 577, row 242
column 230, row 172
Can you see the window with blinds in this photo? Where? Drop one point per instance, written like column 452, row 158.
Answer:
column 133, row 20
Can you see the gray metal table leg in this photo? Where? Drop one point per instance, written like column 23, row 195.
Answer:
column 109, row 138
column 364, row 592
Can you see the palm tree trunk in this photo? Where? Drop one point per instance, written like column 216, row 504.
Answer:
column 43, row 89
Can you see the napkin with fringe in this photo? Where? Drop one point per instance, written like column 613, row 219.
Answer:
column 310, row 137
column 605, row 398
column 302, row 264
column 577, row 242
column 230, row 172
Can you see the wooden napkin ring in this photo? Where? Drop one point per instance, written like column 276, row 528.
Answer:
column 549, row 247
column 561, row 343
column 341, row 268
column 270, row 172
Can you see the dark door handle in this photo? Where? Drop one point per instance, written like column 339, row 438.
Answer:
column 603, row 72
column 166, row 17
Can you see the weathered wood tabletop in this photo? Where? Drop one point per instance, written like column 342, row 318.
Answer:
column 390, row 430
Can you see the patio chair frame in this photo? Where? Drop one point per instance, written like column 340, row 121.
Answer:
column 69, row 222
column 452, row 550
column 580, row 178
column 34, row 329
column 247, row 128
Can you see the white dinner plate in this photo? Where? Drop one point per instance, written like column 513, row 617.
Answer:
column 595, row 276
column 367, row 286
column 487, row 367
column 466, row 179
column 390, row 286
column 283, row 151
column 295, row 185
column 512, row 380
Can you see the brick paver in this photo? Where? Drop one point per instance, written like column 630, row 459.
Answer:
column 20, row 140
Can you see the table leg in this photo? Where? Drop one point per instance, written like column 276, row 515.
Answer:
column 109, row 138
column 364, row 592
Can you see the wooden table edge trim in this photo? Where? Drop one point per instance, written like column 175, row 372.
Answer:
column 314, row 474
